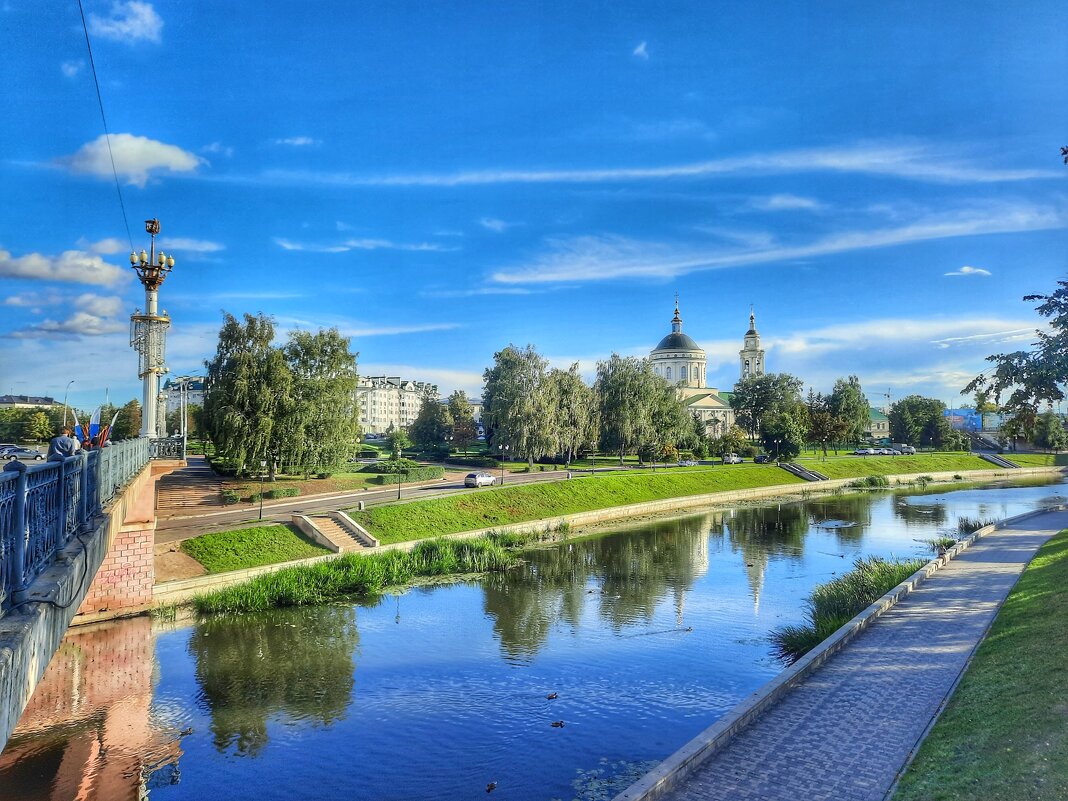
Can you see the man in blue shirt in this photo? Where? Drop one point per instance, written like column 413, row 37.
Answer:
column 62, row 446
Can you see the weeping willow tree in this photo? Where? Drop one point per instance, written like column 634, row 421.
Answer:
column 248, row 407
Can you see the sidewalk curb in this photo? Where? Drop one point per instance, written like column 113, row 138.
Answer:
column 666, row 776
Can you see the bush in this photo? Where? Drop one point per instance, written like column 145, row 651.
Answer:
column 748, row 451
column 390, row 466
column 230, row 497
column 323, row 475
column 474, row 461
column 416, row 474
column 282, row 492
column 870, row 482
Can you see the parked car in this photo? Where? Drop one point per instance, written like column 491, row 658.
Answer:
column 864, row 452
column 905, row 450
column 732, row 458
column 479, row 480
column 23, row 453
column 687, row 463
column 764, row 458
column 5, row 447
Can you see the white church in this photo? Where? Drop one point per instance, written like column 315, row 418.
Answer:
column 684, row 363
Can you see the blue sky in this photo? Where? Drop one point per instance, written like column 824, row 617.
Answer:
column 882, row 181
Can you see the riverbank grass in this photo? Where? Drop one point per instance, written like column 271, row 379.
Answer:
column 835, row 603
column 1004, row 733
column 1038, row 459
column 499, row 506
column 859, row 466
column 357, row 576
column 250, row 547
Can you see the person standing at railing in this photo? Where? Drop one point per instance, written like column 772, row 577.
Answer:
column 62, row 446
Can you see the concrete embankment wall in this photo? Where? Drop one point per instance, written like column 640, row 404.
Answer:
column 31, row 633
column 185, row 589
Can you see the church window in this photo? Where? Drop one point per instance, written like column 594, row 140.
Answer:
column 682, row 373
column 667, row 373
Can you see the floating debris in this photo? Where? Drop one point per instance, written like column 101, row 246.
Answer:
column 558, row 724
column 550, row 697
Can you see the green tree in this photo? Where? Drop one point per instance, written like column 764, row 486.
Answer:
column 759, row 395
column 848, row 403
column 518, row 403
column 669, row 421
column 822, row 423
column 575, row 414
column 249, row 402
column 38, row 427
column 398, row 440
column 128, row 423
column 464, row 429
column 730, row 441
column 433, row 422
column 625, row 398
column 783, row 429
column 1050, row 433
column 916, row 420
column 323, row 424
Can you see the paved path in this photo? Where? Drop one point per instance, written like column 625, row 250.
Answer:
column 847, row 730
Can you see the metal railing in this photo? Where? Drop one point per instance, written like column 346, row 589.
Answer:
column 43, row 506
column 167, row 448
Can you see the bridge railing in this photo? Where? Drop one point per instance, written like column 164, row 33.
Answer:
column 44, row 506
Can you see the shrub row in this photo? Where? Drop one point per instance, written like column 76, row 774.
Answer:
column 474, row 461
column 416, row 474
column 390, row 466
column 280, row 492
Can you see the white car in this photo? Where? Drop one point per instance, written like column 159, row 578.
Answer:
column 732, row 458
column 479, row 480
column 864, row 452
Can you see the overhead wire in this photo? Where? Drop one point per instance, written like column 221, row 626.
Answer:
column 103, row 117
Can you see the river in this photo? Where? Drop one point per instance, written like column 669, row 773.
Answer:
column 645, row 634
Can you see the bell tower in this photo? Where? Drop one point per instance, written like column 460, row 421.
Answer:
column 751, row 356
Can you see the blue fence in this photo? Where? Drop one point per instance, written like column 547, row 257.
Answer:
column 42, row 507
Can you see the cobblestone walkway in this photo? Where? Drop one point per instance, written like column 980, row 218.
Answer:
column 847, row 730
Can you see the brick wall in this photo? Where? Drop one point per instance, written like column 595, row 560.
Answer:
column 126, row 576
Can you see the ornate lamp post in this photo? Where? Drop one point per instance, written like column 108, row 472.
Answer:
column 148, row 331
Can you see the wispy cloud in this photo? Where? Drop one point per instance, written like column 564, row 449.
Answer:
column 136, row 158
column 75, row 266
column 593, row 258
column 70, row 69
column 298, row 141
column 786, row 202
column 362, row 244
column 495, row 225
column 94, row 316
column 104, row 247
column 370, row 330
column 33, row 299
column 218, row 149
column 911, row 162
column 129, row 22
column 966, row 270
column 478, row 292
column 180, row 244
column 641, row 52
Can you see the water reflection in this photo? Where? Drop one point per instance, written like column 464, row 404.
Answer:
column 87, row 732
column 292, row 661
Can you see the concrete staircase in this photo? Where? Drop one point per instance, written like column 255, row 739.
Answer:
column 189, row 489
column 336, row 531
column 802, row 472
column 995, row 459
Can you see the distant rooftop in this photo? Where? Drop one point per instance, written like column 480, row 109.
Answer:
column 26, row 400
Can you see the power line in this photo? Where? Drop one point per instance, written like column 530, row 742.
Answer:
column 107, row 134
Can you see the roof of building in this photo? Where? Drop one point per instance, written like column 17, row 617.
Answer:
column 677, row 341
column 35, row 400
column 710, row 399
column 876, row 416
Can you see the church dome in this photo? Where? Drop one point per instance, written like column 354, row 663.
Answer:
column 677, row 341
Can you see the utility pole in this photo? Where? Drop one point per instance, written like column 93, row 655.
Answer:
column 148, row 330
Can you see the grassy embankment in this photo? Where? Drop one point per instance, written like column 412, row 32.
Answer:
column 499, row 506
column 1038, row 459
column 356, row 576
column 835, row 603
column 250, row 547
column 1004, row 733
column 858, row 466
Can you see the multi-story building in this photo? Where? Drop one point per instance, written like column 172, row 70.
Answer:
column 194, row 392
column 25, row 402
column 389, row 402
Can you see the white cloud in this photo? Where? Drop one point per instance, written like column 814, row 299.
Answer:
column 394, row 330
column 298, row 141
column 92, row 316
column 136, row 157
column 677, row 128
column 33, row 299
column 641, row 51
column 362, row 244
column 786, row 202
column 130, row 22
column 71, row 68
column 600, row 258
column 966, row 270
column 495, row 225
column 477, row 292
column 218, row 149
column 912, row 162
column 105, row 247
column 71, row 266
column 178, row 243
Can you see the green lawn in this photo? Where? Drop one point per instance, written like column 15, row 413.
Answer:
column 1004, row 734
column 514, row 504
column 856, row 466
column 250, row 547
column 1038, row 459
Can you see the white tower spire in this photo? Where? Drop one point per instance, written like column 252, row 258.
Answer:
column 148, row 331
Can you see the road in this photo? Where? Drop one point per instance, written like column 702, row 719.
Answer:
column 174, row 529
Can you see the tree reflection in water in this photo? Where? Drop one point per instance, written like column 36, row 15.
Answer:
column 293, row 661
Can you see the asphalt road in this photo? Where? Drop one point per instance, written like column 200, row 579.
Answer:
column 174, row 529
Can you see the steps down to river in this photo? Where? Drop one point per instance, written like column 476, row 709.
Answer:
column 995, row 459
column 802, row 472
column 336, row 531
column 189, row 489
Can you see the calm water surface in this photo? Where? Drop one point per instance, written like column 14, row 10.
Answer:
column 647, row 634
